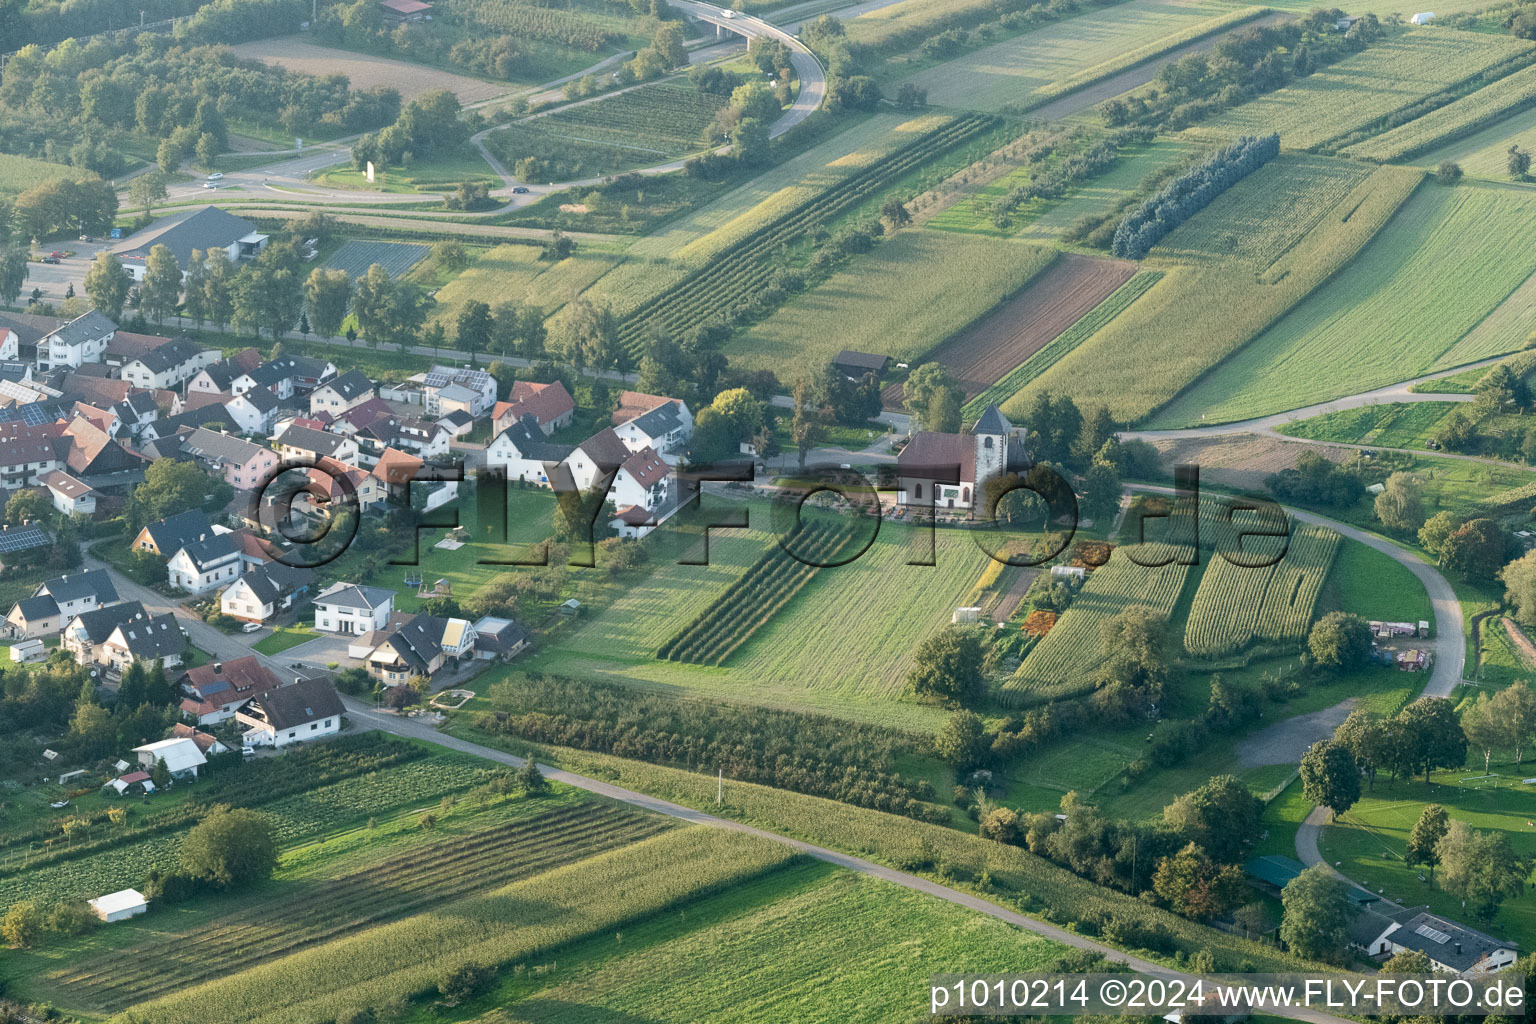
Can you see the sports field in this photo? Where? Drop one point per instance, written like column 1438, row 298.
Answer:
column 1349, row 95
column 1391, row 314
column 901, row 300
column 1010, row 71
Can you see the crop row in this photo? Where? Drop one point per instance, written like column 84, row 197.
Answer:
column 534, row 22
column 737, row 274
column 1086, row 326
column 1109, row 68
column 1236, row 605
column 1452, row 121
column 1064, row 662
column 396, row 888
column 511, row 924
column 752, row 600
column 664, row 115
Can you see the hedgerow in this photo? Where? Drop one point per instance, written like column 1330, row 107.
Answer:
column 1190, row 193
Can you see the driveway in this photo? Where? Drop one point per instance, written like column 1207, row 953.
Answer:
column 320, row 652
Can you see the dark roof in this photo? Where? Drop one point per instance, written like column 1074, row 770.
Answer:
column 351, row 595
column 321, row 442
column 22, row 538
column 167, row 425
column 211, row 548
column 217, row 447
column 222, row 374
column 81, row 584
column 849, row 359
column 605, row 449
column 99, row 623
column 935, row 453
column 30, row 327
column 275, row 580
column 349, row 385
column 418, row 642
column 496, row 634
column 172, row 533
column 34, row 608
column 458, row 418
column 660, row 421
column 157, row 636
column 171, row 354
column 1445, row 942
column 1275, row 869
column 992, row 422
column 84, row 328
column 308, row 700
column 262, row 399
column 531, row 443
column 203, row 229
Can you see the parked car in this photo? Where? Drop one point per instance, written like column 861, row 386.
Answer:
column 216, row 176
column 251, row 627
column 57, row 254
column 519, row 190
column 51, row 259
column 247, row 751
column 210, row 184
column 87, row 238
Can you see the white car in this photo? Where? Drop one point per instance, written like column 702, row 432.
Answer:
column 726, row 12
column 247, row 751
column 216, row 176
column 251, row 627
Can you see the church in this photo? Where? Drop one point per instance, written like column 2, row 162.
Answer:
column 949, row 471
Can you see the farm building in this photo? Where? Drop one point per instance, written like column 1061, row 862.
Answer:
column 405, row 12
column 181, row 756
column 207, row 228
column 119, row 906
column 854, row 365
column 1451, row 948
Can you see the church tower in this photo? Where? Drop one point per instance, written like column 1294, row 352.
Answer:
column 992, row 433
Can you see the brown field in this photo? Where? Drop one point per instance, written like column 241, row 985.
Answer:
column 1241, row 460
column 981, row 354
column 364, row 71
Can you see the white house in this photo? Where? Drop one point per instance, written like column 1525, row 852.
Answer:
column 70, row 497
column 212, row 561
column 254, row 411
column 639, row 478
column 522, row 451
column 665, row 429
column 264, row 591
column 82, row 340
column 1451, row 948
column 351, row 609
column 284, row 376
column 57, row 601
column 120, row 905
column 168, row 365
column 307, row 445
column 152, row 638
column 181, row 756
column 308, row 710
column 445, row 390
column 339, row 394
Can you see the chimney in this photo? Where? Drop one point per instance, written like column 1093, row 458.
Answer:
column 218, row 668
column 297, row 680
column 1458, row 949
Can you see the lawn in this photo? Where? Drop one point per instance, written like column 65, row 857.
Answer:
column 442, row 173
column 1349, row 95
column 1012, row 70
column 902, row 299
column 1392, row 425
column 282, row 638
column 1391, row 314
column 1200, row 312
column 1371, row 584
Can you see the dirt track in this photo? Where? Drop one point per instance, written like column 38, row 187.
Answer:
column 983, row 353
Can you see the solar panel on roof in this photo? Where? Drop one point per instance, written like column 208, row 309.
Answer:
column 1433, row 934
column 21, row 540
column 437, row 380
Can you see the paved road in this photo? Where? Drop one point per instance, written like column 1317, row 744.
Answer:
column 365, row 715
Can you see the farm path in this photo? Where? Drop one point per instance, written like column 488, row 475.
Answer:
column 365, row 715
column 1285, row 742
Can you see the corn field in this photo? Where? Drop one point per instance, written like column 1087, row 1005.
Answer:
column 1236, row 605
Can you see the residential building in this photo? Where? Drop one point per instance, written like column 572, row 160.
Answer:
column 182, row 757
column 213, row 693
column 169, row 365
column 153, row 638
column 205, row 228
column 419, row 647
column 207, row 742
column 70, row 497
column 1451, row 948
column 445, row 389
column 265, row 591
column 407, row 482
column 57, row 601
column 523, row 452
column 458, row 424
column 254, row 411
column 550, row 405
column 84, row 634
column 242, row 464
column 639, row 478
column 211, row 561
column 307, row 445
column 634, row 404
column 665, row 429
column 308, row 710
column 27, row 453
column 81, row 340
column 165, row 537
column 339, row 394
column 285, row 376
column 351, row 609
column 496, row 637
column 94, row 454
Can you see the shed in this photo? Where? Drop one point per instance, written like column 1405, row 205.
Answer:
column 1422, row 18
column 31, row 649
column 69, row 777
column 962, row 615
column 180, row 754
column 857, row 364
column 123, row 784
column 1274, row 870
column 119, row 906
column 570, row 607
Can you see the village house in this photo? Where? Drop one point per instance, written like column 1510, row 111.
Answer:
column 242, row 464
column 57, row 601
column 339, row 394
column 285, row 376
column 85, row 634
column 407, row 482
column 666, row 429
column 153, row 638
column 639, row 478
column 207, row 742
column 212, row 693
column 93, row 455
column 254, row 411
column 420, row 646
column 81, row 340
column 264, row 591
column 310, row 709
column 210, row 561
column 497, row 637
column 70, row 497
column 307, row 445
column 28, row 453
column 522, row 451
column 353, row 610
column 550, row 405
column 445, row 389
column 165, row 537
column 168, row 365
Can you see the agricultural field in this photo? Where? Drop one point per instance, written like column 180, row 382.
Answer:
column 901, row 299
column 1014, row 331
column 364, row 71
column 1391, row 425
column 1064, row 662
column 1388, row 316
column 1169, row 339
column 1485, row 153
column 668, row 116
column 356, row 256
column 1238, row 604
column 19, row 173
column 1467, row 116
column 1013, row 70
column 1348, row 96
column 515, row 273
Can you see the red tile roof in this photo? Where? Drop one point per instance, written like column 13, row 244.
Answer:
column 636, row 403
column 544, row 402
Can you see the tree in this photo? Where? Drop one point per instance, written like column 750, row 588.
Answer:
column 13, row 274
column 1484, row 728
column 169, row 488
column 160, row 775
column 947, row 667
column 147, row 189
column 1365, row 736
column 1448, row 173
column 465, row 982
column 1515, row 707
column 1134, row 644
column 162, row 283
column 1101, row 493
column 168, row 156
column 1222, row 816
column 1340, row 640
column 23, row 505
column 328, row 292
column 268, row 294
column 1330, row 777
column 1436, row 531
column 1424, row 840
column 931, row 395
column 107, row 283
column 962, row 741
column 1317, row 914
column 668, row 42
column 1399, row 506
column 1519, row 162
column 1196, row 886
column 207, row 150
column 218, row 288
column 1427, row 735
column 585, row 335
column 529, row 780
column 194, row 302
column 1475, row 549
column 895, row 214
column 22, row 925
column 473, row 326
column 1480, row 868
column 230, row 848
column 1519, row 579
column 805, row 428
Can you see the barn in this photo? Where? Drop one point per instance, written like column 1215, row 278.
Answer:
column 119, row 906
